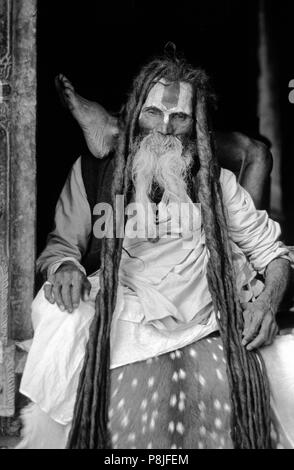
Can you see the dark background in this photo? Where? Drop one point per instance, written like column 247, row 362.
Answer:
column 100, row 45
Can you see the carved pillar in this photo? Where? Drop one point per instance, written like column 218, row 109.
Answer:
column 17, row 183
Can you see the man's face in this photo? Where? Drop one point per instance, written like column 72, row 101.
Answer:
column 168, row 109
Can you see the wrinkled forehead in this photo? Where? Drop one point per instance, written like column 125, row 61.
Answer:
column 171, row 96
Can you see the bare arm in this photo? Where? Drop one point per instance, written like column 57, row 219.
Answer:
column 260, row 326
column 250, row 160
column 277, row 277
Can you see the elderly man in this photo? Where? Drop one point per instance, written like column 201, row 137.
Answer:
column 153, row 349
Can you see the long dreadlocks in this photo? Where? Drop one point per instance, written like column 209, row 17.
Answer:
column 250, row 425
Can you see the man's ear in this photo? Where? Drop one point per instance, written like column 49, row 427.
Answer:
column 100, row 128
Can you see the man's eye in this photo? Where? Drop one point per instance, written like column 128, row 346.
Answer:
column 181, row 116
column 152, row 112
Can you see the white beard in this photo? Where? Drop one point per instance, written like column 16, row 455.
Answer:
column 160, row 162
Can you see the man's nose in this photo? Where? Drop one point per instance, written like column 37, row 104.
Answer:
column 166, row 127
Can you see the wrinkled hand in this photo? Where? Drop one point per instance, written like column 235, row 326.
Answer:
column 260, row 327
column 67, row 287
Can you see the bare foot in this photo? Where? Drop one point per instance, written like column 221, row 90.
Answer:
column 99, row 127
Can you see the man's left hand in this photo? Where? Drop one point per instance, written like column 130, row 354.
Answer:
column 260, row 327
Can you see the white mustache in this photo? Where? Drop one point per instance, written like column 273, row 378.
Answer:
column 160, row 144
column 160, row 159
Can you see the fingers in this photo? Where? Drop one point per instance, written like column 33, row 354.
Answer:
column 263, row 336
column 48, row 292
column 66, row 297
column 72, row 294
column 66, row 286
column 57, row 295
column 63, row 296
column 76, row 291
column 251, row 326
column 272, row 334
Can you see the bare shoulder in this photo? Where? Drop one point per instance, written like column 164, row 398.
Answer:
column 238, row 141
column 234, row 148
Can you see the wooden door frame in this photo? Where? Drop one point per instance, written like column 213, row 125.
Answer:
column 18, row 19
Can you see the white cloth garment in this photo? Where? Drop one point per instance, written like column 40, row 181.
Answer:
column 163, row 302
column 42, row 432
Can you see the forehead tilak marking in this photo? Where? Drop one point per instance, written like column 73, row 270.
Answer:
column 171, row 95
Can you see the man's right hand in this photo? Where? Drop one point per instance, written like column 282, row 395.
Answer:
column 67, row 286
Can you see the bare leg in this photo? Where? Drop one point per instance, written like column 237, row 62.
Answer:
column 98, row 126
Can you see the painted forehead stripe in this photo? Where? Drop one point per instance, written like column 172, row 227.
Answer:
column 171, row 95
